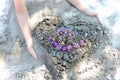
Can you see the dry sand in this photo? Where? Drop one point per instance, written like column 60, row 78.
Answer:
column 17, row 64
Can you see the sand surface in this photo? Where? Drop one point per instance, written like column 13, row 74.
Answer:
column 17, row 64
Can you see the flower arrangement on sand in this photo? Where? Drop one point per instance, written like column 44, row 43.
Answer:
column 65, row 39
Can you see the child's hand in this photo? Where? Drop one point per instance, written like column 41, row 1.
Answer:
column 98, row 18
column 29, row 43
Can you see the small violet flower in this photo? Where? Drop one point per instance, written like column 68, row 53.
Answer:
column 64, row 48
column 54, row 43
column 81, row 42
column 62, row 29
column 69, row 48
column 76, row 45
column 58, row 47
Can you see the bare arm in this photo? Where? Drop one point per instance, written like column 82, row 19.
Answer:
column 79, row 5
column 23, row 21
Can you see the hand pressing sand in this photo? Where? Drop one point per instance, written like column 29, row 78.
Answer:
column 23, row 20
column 80, row 6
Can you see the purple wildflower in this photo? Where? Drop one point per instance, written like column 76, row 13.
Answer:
column 50, row 40
column 61, row 29
column 64, row 48
column 76, row 45
column 58, row 47
column 81, row 42
column 54, row 43
column 69, row 48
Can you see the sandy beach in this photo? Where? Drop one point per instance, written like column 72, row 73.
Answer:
column 103, row 62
